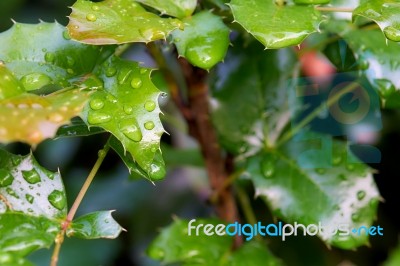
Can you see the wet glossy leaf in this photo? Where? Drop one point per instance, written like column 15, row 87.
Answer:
column 175, row 8
column 43, row 54
column 385, row 13
column 95, row 225
column 303, row 183
column 249, row 101
column 27, row 187
column 7, row 259
column 134, row 169
column 276, row 26
column 204, row 41
column 312, row 2
column 174, row 244
column 380, row 66
column 31, row 118
column 253, row 254
column 128, row 108
column 22, row 234
column 115, row 22
column 32, row 203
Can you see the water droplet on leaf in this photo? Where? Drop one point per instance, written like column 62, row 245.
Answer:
column 6, row 178
column 49, row 57
column 128, row 109
column 31, row 176
column 91, row 17
column 57, row 199
column 385, row 87
column 157, row 171
column 66, row 35
column 111, row 71
column 11, row 192
column 149, row 125
column 150, row 106
column 392, row 33
column 267, row 167
column 136, row 83
column 29, row 198
column 361, row 195
column 355, row 217
column 35, row 81
column 98, row 118
column 96, row 104
column 131, row 130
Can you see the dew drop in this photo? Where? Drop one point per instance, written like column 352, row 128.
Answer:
column 98, row 118
column 150, row 106
column 49, row 57
column 56, row 117
column 11, row 192
column 131, row 130
column 70, row 71
column 57, row 199
column 149, row 125
column 364, row 64
column 361, row 195
column 16, row 160
column 392, row 33
column 385, row 87
column 157, row 171
column 355, row 217
column 91, row 17
column 336, row 160
column 136, row 83
column 111, row 71
column 66, row 35
column 350, row 167
column 29, row 198
column 6, row 178
column 342, row 177
column 95, row 8
column 34, row 81
column 31, row 176
column 96, row 104
column 51, row 176
column 373, row 202
column 267, row 167
column 128, row 109
column 143, row 71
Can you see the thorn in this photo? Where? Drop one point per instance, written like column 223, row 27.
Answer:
column 174, row 217
column 13, row 21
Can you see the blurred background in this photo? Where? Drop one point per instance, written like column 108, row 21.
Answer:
column 143, row 208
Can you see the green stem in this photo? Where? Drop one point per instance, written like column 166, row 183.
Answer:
column 247, row 209
column 64, row 226
column 315, row 113
column 334, row 9
column 101, row 155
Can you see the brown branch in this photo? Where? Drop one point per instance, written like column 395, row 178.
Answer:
column 201, row 128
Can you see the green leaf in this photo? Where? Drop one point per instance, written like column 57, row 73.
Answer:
column 7, row 259
column 157, row 170
column 175, row 8
column 77, row 128
column 254, row 80
column 43, row 54
column 394, row 258
column 22, row 234
column 32, row 204
column 385, row 13
column 303, row 183
column 111, row 22
column 95, row 225
column 312, row 2
column 31, row 118
column 253, row 254
column 204, row 41
column 379, row 65
column 128, row 108
column 27, row 187
column 175, row 245
column 276, row 26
